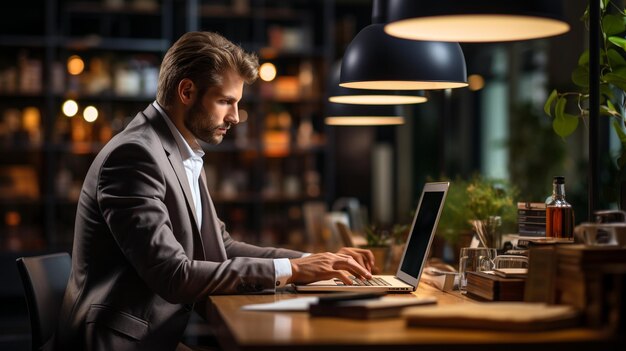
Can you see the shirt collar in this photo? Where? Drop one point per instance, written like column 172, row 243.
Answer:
column 186, row 152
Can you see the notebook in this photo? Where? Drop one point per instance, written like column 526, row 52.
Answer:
column 415, row 251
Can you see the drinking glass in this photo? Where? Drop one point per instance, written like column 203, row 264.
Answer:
column 474, row 259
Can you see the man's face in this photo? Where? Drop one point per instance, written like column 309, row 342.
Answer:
column 212, row 114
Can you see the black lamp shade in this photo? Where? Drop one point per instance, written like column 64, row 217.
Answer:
column 475, row 20
column 375, row 60
column 338, row 94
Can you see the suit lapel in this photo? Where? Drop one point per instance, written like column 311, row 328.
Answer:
column 173, row 155
column 211, row 229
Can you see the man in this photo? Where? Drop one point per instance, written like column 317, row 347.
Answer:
column 148, row 243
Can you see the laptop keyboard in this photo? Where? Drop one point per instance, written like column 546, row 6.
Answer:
column 376, row 281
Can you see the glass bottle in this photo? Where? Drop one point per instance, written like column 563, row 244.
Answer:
column 559, row 213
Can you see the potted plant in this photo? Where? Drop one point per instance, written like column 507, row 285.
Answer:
column 477, row 199
column 612, row 88
column 379, row 242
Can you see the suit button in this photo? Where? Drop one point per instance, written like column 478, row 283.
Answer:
column 188, row 307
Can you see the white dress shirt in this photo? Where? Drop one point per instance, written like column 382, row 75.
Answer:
column 192, row 162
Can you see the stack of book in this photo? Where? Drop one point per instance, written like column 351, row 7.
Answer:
column 491, row 287
column 365, row 308
column 526, row 243
column 593, row 279
column 510, row 316
column 531, row 219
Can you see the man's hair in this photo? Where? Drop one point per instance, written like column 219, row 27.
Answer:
column 202, row 57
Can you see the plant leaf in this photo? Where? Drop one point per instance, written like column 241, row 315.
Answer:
column 584, row 58
column 609, row 110
column 604, row 4
column 621, row 42
column 565, row 125
column 548, row 105
column 606, row 91
column 604, row 111
column 613, row 24
column 616, row 60
column 580, row 76
column 559, row 108
column 617, row 78
column 610, row 106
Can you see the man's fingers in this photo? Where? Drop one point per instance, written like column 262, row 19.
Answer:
column 358, row 268
column 370, row 257
column 353, row 267
column 344, row 278
column 360, row 261
column 363, row 256
column 363, row 262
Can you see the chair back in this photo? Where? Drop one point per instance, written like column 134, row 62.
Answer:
column 44, row 278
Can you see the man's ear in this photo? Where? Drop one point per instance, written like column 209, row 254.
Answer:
column 186, row 91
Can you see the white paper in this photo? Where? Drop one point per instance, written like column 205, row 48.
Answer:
column 297, row 304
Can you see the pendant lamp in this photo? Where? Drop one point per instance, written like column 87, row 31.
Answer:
column 475, row 20
column 338, row 94
column 376, row 60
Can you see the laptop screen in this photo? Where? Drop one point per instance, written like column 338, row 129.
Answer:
column 422, row 231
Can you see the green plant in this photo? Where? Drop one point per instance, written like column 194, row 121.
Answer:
column 612, row 81
column 491, row 197
column 399, row 233
column 377, row 237
column 476, row 198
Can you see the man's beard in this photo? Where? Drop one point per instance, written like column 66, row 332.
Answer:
column 198, row 122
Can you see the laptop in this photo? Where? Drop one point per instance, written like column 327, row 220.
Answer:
column 415, row 253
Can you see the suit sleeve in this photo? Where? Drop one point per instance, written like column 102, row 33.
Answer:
column 131, row 192
column 240, row 249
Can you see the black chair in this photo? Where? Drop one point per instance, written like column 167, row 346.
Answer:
column 44, row 278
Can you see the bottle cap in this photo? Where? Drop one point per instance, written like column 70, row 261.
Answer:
column 559, row 180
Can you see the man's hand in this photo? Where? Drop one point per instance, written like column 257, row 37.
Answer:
column 362, row 256
column 328, row 265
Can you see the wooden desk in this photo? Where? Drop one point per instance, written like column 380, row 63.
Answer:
column 297, row 331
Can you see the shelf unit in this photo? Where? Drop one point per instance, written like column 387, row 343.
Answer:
column 259, row 177
column 264, row 172
column 54, row 152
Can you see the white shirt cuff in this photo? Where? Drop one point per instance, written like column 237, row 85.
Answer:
column 282, row 271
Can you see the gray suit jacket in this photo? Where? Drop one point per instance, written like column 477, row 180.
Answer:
column 139, row 260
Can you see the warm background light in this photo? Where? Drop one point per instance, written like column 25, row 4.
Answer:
column 31, row 118
column 90, row 113
column 377, row 99
column 402, row 85
column 12, row 218
column 75, row 65
column 267, row 72
column 70, row 108
column 476, row 82
column 364, row 121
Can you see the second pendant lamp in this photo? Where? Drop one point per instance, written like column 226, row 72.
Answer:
column 352, row 113
column 376, row 60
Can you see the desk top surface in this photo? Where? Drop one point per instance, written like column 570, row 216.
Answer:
column 254, row 330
